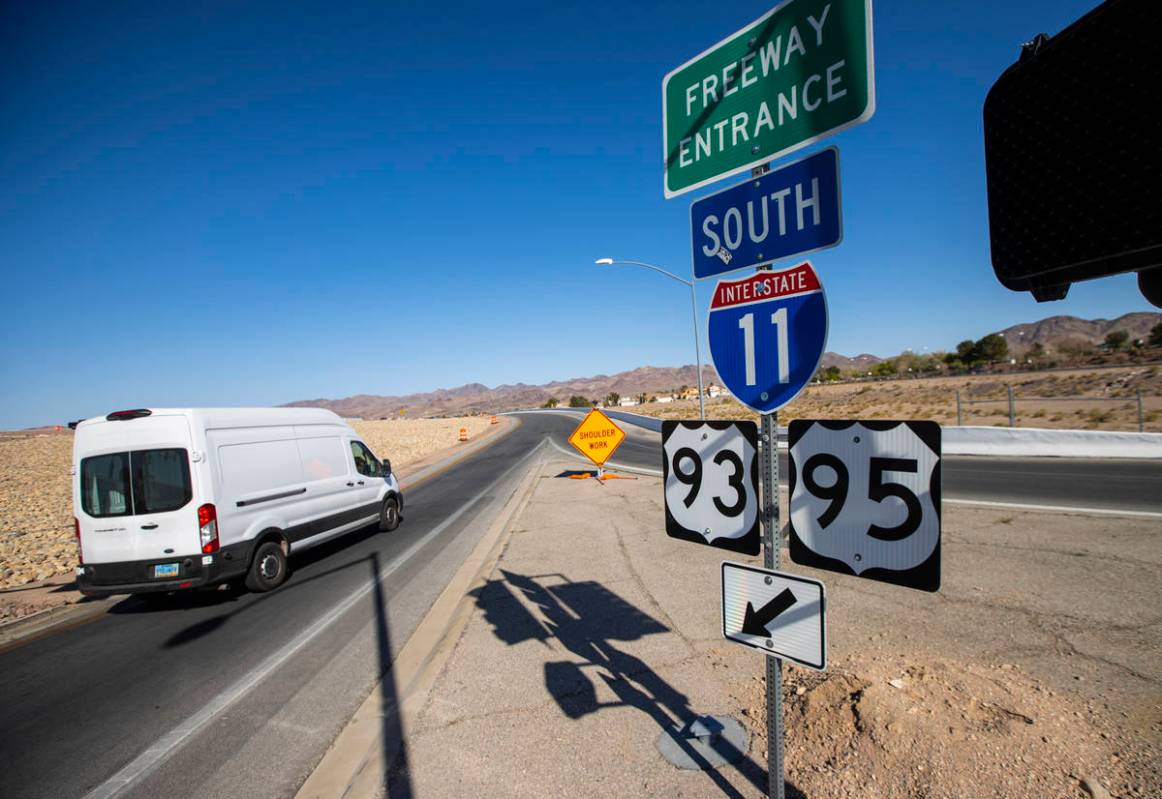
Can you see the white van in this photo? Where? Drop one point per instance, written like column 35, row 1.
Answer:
column 166, row 499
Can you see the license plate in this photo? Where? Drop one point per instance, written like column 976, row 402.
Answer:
column 165, row 570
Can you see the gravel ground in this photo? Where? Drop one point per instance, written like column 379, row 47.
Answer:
column 886, row 725
column 1033, row 673
column 36, row 514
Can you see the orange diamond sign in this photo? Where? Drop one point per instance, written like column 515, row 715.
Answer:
column 597, row 437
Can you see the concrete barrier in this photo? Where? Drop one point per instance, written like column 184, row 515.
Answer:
column 1037, row 442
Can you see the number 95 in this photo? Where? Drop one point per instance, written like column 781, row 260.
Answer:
column 878, row 489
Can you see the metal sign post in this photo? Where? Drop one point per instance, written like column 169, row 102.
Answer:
column 769, row 478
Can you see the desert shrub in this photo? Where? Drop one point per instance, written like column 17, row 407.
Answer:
column 1116, row 340
column 1155, row 339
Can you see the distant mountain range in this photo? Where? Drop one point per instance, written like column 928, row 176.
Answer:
column 650, row 380
column 1059, row 329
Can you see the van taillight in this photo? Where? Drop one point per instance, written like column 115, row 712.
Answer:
column 77, row 533
column 208, row 528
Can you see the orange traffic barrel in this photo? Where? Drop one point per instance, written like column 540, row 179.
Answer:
column 494, row 420
column 463, row 433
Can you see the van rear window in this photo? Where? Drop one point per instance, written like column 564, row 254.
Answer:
column 135, row 483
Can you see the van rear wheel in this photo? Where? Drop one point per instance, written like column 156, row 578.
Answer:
column 389, row 517
column 268, row 569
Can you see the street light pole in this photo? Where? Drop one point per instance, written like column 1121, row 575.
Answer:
column 693, row 311
column 697, row 354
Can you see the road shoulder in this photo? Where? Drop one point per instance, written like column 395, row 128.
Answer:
column 356, row 762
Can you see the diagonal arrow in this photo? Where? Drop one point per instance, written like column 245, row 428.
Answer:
column 755, row 621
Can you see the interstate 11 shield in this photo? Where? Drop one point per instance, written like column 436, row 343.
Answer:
column 767, row 333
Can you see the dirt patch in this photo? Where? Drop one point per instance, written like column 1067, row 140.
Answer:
column 36, row 509
column 935, row 727
column 406, row 441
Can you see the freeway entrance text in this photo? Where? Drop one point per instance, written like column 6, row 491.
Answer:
column 792, row 77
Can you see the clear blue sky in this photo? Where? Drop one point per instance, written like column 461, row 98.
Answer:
column 244, row 203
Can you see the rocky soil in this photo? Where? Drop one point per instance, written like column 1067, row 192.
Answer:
column 884, row 726
column 36, row 507
column 36, row 514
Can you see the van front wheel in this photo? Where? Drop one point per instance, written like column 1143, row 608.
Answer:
column 389, row 517
column 268, row 569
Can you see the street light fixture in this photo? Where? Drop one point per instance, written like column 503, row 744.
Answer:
column 693, row 311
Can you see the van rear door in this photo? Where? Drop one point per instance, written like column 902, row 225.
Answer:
column 136, row 502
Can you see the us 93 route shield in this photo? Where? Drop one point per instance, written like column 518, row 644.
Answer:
column 710, row 472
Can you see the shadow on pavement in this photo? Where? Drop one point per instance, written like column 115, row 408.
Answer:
column 586, row 618
column 574, row 473
column 232, row 592
column 397, row 779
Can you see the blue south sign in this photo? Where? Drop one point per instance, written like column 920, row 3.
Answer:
column 767, row 334
column 789, row 212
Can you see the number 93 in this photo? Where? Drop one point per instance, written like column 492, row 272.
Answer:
column 693, row 478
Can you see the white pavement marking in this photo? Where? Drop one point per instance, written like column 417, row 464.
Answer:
column 1139, row 514
column 166, row 745
column 608, row 464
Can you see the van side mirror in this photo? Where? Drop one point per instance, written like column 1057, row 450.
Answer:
column 385, row 468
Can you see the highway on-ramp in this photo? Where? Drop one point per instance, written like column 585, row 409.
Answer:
column 221, row 693
column 1098, row 484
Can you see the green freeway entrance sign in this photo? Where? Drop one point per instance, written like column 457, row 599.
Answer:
column 798, row 74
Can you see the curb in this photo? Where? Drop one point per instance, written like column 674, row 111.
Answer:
column 44, row 621
column 356, row 764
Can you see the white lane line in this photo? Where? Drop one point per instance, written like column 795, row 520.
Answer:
column 1137, row 514
column 610, row 464
column 169, row 743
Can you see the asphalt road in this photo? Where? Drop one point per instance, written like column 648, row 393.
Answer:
column 1106, row 484
column 228, row 694
column 80, row 704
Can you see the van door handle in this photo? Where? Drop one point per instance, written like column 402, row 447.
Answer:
column 149, row 526
column 360, row 482
column 350, row 484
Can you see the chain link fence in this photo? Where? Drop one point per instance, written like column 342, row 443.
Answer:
column 1134, row 411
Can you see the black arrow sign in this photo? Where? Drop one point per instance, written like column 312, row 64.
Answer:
column 755, row 621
